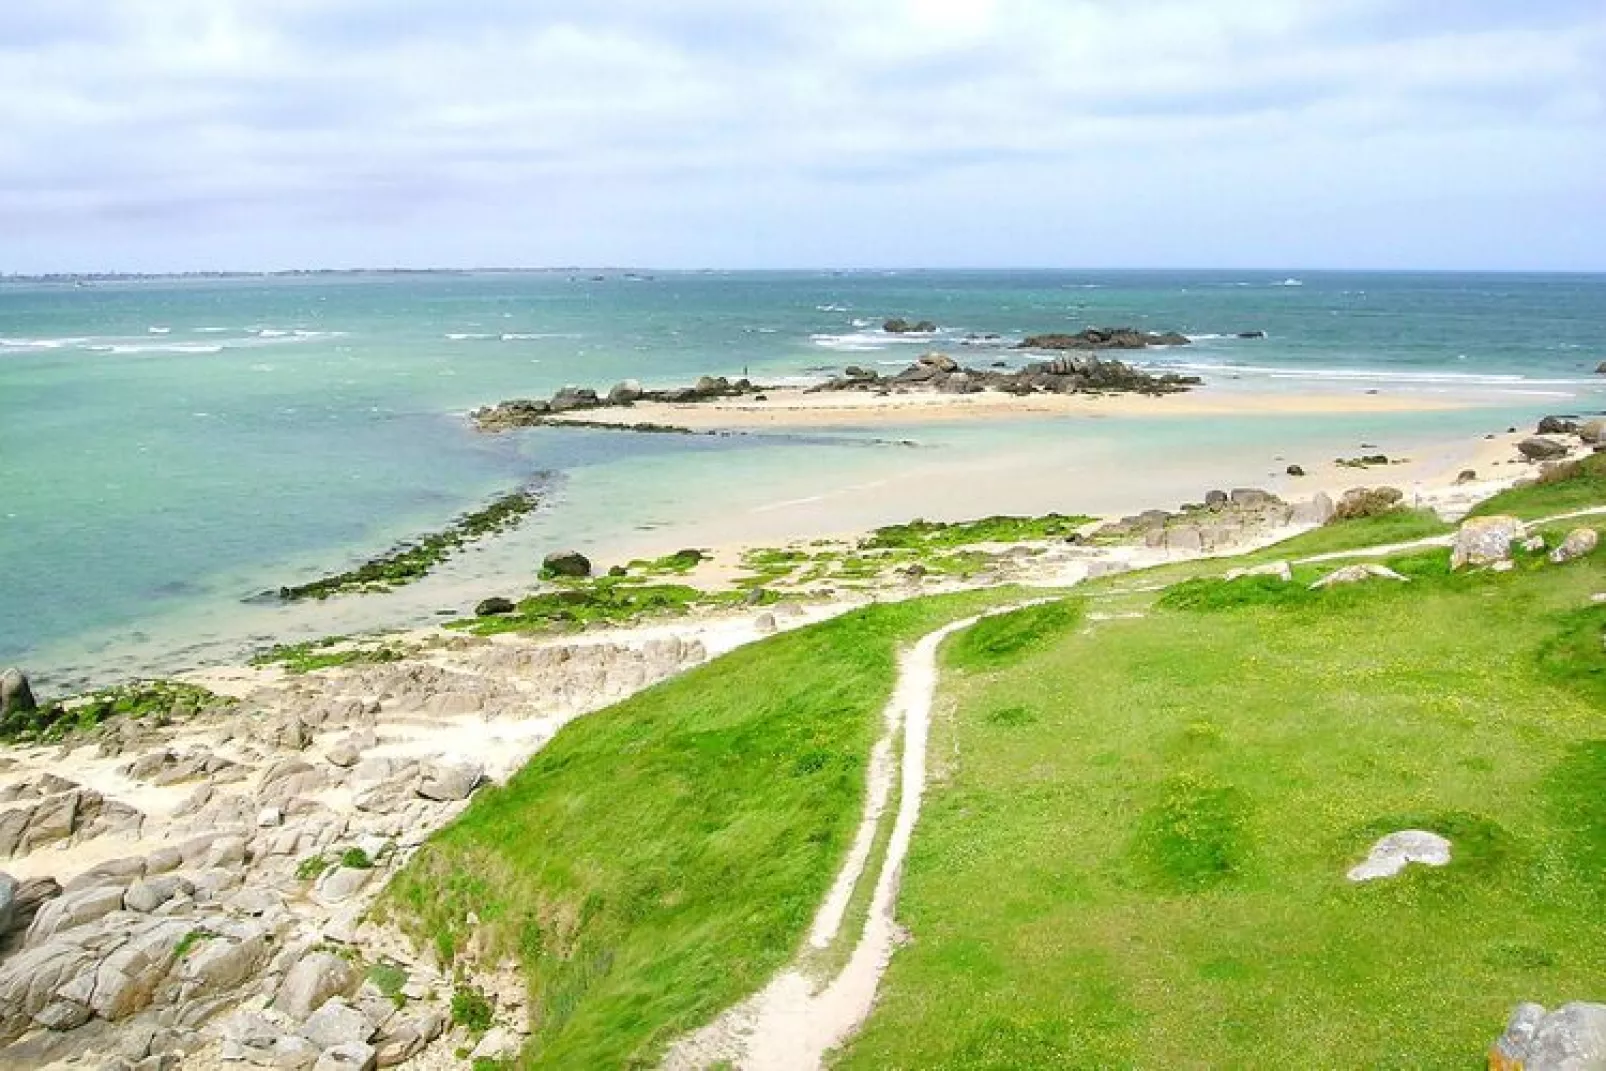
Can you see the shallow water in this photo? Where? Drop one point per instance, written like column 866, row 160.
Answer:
column 168, row 448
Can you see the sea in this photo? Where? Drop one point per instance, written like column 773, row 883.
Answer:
column 173, row 448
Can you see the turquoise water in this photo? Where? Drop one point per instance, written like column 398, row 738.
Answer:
column 170, row 447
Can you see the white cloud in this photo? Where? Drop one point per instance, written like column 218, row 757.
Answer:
column 177, row 133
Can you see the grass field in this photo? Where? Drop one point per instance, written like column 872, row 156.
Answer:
column 1135, row 855
column 659, row 860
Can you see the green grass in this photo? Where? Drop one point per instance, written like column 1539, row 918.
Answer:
column 413, row 560
column 1136, row 855
column 659, row 860
column 1568, row 488
column 927, row 535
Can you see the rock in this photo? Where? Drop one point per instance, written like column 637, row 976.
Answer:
column 72, row 910
column 1537, row 449
column 407, row 1037
column 148, row 894
column 1557, row 425
column 8, row 902
column 337, row 1023
column 1251, row 497
column 1318, row 510
column 900, row 326
column 1572, row 1038
column 16, row 694
column 218, row 964
column 1485, row 541
column 494, row 606
column 342, row 883
column 499, row 1043
column 625, row 392
column 566, row 563
column 1216, row 499
column 1396, row 851
column 1592, row 431
column 1467, row 476
column 315, row 978
column 447, row 781
column 1296, row 470
column 1355, row 574
column 252, row 1039
column 348, row 1057
column 1580, row 542
column 1367, row 502
column 1281, row 570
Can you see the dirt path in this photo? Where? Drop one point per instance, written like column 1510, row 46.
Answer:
column 792, row 1023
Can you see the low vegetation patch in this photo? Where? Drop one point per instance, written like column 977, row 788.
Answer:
column 605, row 600
column 55, row 720
column 1194, row 836
column 659, row 860
column 414, row 559
column 327, row 653
column 926, row 535
column 1003, row 638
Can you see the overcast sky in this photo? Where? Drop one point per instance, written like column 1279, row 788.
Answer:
column 206, row 134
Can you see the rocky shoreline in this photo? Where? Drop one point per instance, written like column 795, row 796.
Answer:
column 1083, row 373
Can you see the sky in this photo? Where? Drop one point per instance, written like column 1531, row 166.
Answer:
column 157, row 135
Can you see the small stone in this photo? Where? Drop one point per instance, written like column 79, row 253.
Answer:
column 1355, row 574
column 348, row 1057
column 447, row 781
column 1296, row 470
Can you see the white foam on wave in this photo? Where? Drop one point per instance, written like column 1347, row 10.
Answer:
column 1374, row 375
column 870, row 341
column 159, row 330
column 135, row 348
column 833, row 308
column 469, row 336
column 1290, row 282
column 41, row 343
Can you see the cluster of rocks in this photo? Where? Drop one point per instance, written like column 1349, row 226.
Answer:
column 1556, row 434
column 229, row 920
column 1108, row 338
column 899, row 326
column 1487, row 542
column 1223, row 519
column 1063, row 375
column 527, row 412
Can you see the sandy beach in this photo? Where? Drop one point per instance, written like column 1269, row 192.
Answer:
column 802, row 408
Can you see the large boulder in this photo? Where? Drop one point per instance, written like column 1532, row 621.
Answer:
column 495, row 606
column 448, row 781
column 624, row 393
column 1572, row 1038
column 566, row 563
column 8, row 902
column 1580, row 543
column 315, row 978
column 16, row 694
column 1361, row 502
column 1485, row 541
column 1318, row 510
column 1593, row 431
column 337, row 1023
column 1557, row 425
column 1537, row 449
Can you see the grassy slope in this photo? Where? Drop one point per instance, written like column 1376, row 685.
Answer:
column 659, row 860
column 1138, row 859
column 1584, row 487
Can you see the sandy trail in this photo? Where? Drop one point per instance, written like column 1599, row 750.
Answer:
column 791, row 1024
